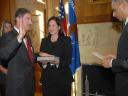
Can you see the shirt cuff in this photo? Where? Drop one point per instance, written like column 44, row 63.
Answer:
column 19, row 40
column 111, row 62
column 44, row 66
column 55, row 65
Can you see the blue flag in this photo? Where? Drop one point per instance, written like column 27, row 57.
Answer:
column 73, row 33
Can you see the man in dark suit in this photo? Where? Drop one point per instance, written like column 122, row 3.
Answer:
column 3, row 72
column 16, row 49
column 119, row 63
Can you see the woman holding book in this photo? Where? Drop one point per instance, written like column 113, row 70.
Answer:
column 56, row 74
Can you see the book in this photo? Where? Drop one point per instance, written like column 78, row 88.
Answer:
column 47, row 58
column 100, row 56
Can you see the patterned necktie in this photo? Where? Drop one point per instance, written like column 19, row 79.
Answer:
column 30, row 53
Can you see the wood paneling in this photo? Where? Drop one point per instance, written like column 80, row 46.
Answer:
column 89, row 11
column 6, row 10
column 95, row 11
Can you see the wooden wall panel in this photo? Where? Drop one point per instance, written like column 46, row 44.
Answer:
column 93, row 11
column 89, row 11
column 5, row 10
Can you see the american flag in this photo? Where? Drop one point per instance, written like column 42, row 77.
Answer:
column 62, row 16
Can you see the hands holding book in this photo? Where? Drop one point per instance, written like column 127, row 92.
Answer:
column 45, row 58
column 106, row 60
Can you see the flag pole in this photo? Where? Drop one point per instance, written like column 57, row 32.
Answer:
column 75, row 84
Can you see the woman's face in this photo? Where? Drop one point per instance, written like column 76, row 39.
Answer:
column 53, row 28
column 7, row 27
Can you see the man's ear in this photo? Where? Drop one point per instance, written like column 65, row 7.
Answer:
column 18, row 19
column 59, row 27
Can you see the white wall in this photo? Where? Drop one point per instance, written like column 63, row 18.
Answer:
column 99, row 37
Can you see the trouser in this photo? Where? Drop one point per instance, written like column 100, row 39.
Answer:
column 56, row 90
column 2, row 84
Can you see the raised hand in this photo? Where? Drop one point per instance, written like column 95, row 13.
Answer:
column 22, row 32
column 46, row 54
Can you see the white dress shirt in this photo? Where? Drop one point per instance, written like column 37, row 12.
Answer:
column 126, row 21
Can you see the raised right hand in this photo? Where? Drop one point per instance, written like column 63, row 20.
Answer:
column 22, row 32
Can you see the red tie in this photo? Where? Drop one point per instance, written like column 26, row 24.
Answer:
column 30, row 54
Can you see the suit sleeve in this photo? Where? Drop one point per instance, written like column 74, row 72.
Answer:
column 8, row 49
column 119, row 65
column 66, row 61
column 42, row 46
column 42, row 49
column 0, row 62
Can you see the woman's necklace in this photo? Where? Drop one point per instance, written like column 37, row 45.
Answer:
column 54, row 39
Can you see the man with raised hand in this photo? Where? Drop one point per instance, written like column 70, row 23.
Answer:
column 16, row 49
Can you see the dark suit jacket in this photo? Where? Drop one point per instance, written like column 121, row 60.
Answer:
column 20, row 77
column 61, row 48
column 2, row 82
column 3, row 78
column 120, row 65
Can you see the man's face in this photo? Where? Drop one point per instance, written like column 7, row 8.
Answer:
column 26, row 21
column 118, row 10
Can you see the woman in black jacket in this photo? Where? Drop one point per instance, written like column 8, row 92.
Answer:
column 56, row 75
